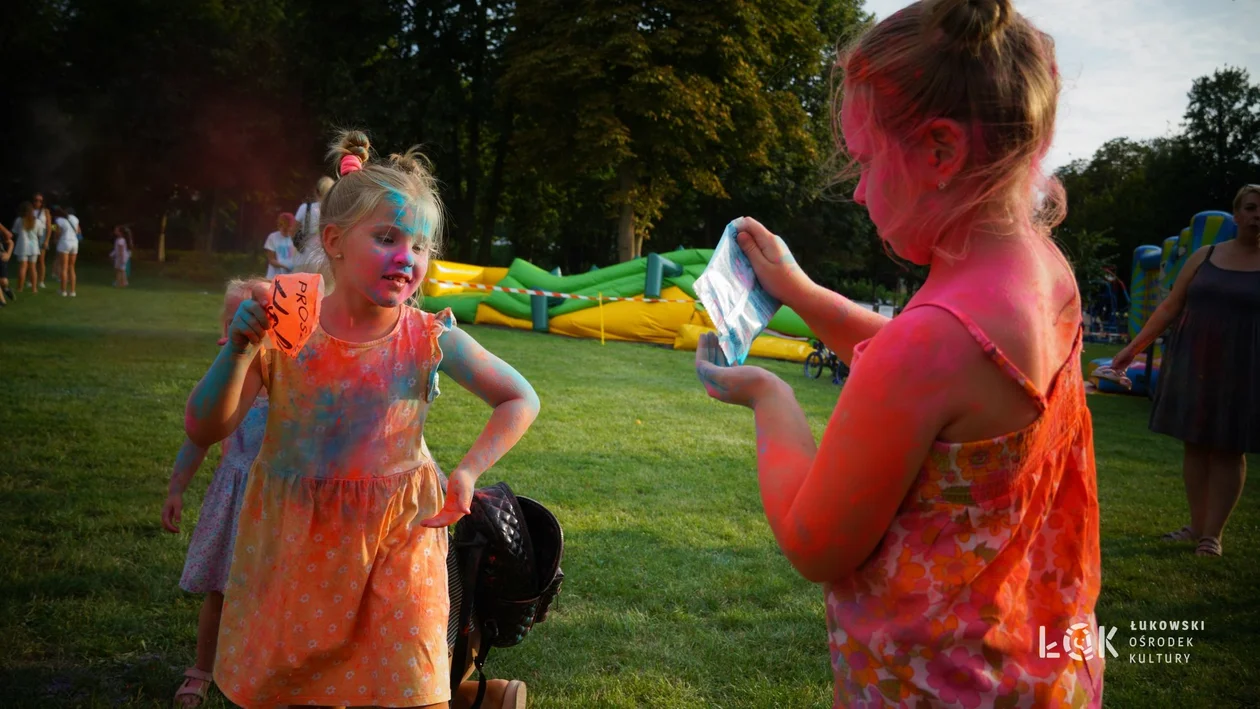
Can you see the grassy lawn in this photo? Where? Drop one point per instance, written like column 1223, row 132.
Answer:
column 676, row 595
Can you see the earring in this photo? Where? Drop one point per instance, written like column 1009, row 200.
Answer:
column 940, row 185
column 338, row 256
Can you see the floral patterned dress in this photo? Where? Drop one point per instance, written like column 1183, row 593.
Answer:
column 337, row 595
column 994, row 541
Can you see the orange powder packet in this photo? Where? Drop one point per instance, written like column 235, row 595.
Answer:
column 294, row 309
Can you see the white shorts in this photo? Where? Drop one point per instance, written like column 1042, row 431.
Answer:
column 68, row 246
column 26, row 258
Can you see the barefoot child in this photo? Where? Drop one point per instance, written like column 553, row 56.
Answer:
column 337, row 593
column 210, row 552
column 122, row 258
column 951, row 509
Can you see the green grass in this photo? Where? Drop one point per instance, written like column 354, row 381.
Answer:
column 676, row 595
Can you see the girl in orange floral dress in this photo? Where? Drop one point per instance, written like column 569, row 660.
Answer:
column 337, row 594
column 951, row 509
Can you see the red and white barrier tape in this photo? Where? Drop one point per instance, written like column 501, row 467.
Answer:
column 551, row 294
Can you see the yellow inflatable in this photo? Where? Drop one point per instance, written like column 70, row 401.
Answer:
column 666, row 323
column 460, row 273
column 767, row 346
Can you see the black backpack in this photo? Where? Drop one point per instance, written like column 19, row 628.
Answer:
column 304, row 228
column 504, row 569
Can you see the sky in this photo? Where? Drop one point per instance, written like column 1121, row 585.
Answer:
column 1128, row 65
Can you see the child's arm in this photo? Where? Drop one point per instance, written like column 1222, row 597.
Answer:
column 839, row 322
column 272, row 259
column 187, row 461
column 515, row 408
column 829, row 505
column 223, row 396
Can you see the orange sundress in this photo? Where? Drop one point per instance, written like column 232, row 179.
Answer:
column 994, row 541
column 337, row 595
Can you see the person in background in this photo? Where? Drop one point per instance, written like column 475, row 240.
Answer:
column 6, row 252
column 74, row 222
column 67, row 252
column 307, row 215
column 26, row 247
column 131, row 250
column 279, row 247
column 43, row 231
column 1208, row 394
column 121, row 256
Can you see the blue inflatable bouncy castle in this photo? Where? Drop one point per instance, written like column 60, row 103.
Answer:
column 1155, row 270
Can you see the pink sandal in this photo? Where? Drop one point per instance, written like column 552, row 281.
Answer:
column 186, row 689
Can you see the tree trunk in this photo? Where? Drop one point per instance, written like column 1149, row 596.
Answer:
column 455, row 229
column 490, row 214
column 467, row 214
column 162, row 239
column 207, row 241
column 240, row 237
column 472, row 179
column 625, row 226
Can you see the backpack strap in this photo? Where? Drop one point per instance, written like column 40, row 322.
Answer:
column 470, row 565
column 480, row 661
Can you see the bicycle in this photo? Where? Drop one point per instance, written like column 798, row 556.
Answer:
column 823, row 358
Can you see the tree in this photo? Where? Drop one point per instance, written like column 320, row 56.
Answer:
column 1090, row 253
column 1222, row 127
column 656, row 99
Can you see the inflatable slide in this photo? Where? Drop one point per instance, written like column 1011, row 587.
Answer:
column 1155, row 270
column 650, row 299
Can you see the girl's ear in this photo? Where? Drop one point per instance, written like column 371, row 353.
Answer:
column 943, row 150
column 334, row 240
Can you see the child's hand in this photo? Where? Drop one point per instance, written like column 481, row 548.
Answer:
column 459, row 494
column 1122, row 360
column 172, row 509
column 734, row 385
column 776, row 268
column 250, row 324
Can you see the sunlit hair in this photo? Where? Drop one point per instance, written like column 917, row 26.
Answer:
column 404, row 180
column 322, row 185
column 1242, row 194
column 237, row 291
column 27, row 210
column 977, row 62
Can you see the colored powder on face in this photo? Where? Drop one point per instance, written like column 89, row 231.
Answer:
column 408, row 217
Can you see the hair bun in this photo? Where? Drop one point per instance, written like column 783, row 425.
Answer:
column 411, row 161
column 970, row 24
column 350, row 142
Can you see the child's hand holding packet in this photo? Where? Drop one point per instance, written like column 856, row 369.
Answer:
column 294, row 309
column 739, row 307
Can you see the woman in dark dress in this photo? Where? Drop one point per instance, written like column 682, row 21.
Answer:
column 1208, row 394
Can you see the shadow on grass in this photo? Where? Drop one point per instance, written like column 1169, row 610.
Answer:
column 148, row 680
